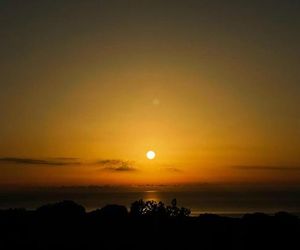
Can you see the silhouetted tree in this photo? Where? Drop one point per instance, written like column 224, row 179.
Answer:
column 153, row 208
column 148, row 208
column 174, row 211
column 137, row 208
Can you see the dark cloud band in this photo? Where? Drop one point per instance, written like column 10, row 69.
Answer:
column 33, row 161
column 105, row 164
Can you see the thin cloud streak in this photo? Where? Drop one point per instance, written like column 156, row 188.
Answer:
column 174, row 169
column 123, row 168
column 116, row 165
column 109, row 162
column 267, row 168
column 34, row 161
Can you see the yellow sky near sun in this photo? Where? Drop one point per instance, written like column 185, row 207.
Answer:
column 198, row 133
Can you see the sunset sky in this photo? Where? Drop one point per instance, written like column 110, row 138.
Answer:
column 88, row 87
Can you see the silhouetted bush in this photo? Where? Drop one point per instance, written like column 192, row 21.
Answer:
column 158, row 209
column 148, row 225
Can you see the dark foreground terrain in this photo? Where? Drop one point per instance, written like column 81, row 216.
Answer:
column 148, row 225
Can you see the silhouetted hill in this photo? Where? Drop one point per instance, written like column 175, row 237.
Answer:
column 61, row 209
column 148, row 225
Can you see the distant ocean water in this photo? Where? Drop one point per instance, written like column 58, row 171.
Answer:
column 230, row 203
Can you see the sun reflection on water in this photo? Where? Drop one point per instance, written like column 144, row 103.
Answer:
column 151, row 195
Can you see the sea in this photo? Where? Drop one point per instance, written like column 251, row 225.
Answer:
column 222, row 200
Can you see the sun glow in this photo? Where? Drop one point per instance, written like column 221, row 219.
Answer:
column 150, row 155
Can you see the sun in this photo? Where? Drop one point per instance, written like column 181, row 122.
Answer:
column 150, row 155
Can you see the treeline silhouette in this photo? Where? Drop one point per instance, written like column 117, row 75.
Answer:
column 147, row 225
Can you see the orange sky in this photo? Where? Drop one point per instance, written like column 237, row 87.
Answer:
column 213, row 89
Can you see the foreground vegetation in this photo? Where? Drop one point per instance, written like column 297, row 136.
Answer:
column 147, row 225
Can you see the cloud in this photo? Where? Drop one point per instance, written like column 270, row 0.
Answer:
column 109, row 162
column 116, row 165
column 267, row 168
column 61, row 161
column 105, row 164
column 173, row 169
column 122, row 168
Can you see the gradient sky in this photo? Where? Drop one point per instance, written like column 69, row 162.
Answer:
column 87, row 87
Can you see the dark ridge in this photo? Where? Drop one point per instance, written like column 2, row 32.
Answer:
column 147, row 225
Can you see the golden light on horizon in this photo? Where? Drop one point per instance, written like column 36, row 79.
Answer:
column 150, row 155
